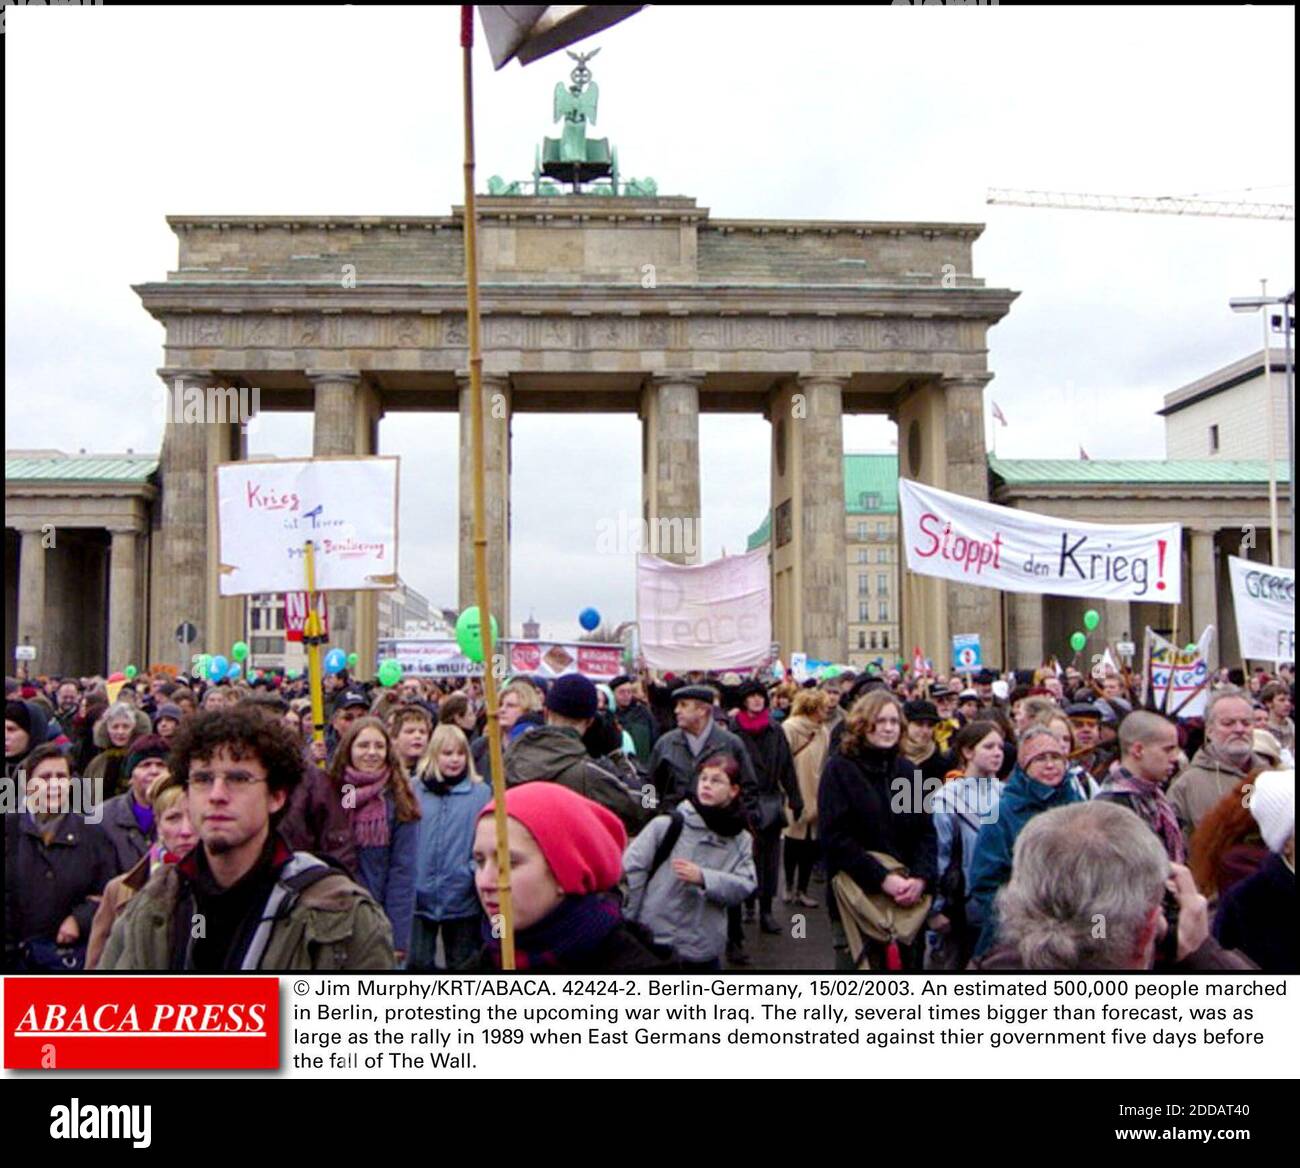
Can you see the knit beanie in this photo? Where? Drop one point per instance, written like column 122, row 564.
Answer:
column 1273, row 806
column 19, row 713
column 583, row 842
column 142, row 749
column 1038, row 740
column 168, row 710
column 571, row 695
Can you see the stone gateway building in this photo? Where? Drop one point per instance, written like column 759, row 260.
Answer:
column 590, row 303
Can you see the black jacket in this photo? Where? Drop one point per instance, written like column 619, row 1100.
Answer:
column 1257, row 916
column 640, row 723
column 45, row 884
column 769, row 751
column 855, row 806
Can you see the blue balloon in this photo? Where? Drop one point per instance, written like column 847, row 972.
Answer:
column 235, row 670
column 589, row 618
column 219, row 668
column 335, row 661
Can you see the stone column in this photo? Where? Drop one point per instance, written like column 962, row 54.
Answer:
column 32, row 627
column 670, row 466
column 941, row 444
column 809, row 568
column 1026, row 629
column 496, row 494
column 123, row 588
column 1204, row 589
column 346, row 424
column 182, row 558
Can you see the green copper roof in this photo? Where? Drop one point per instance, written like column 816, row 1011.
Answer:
column 1023, row 471
column 870, row 488
column 126, row 468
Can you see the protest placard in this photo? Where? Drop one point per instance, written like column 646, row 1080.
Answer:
column 267, row 510
column 1263, row 598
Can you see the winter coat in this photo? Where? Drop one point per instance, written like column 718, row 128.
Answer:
column 1196, row 790
column 444, row 865
column 689, row 918
column 1022, row 798
column 960, row 808
column 123, row 831
column 556, row 753
column 314, row 821
column 333, row 925
column 639, row 722
column 46, row 883
column 856, row 808
column 769, row 751
column 623, row 951
column 808, row 741
column 388, row 873
column 1257, row 916
column 117, row 893
column 672, row 767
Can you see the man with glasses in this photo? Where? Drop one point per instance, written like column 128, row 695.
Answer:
column 243, row 899
column 1222, row 762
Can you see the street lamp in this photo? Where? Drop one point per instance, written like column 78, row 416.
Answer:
column 1254, row 304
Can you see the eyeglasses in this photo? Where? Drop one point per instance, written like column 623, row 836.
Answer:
column 237, row 780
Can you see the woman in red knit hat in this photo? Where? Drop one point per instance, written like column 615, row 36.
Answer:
column 566, row 859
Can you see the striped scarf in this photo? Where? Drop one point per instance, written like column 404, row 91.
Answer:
column 1150, row 803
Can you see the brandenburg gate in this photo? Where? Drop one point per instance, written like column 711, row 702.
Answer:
column 591, row 303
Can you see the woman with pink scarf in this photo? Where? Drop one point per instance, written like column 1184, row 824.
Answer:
column 371, row 783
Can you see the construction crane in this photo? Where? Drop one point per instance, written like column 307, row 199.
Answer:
column 1141, row 204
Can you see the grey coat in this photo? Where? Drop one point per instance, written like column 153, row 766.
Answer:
column 693, row 920
column 119, row 824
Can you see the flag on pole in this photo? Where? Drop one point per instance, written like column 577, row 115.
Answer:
column 998, row 414
column 1083, row 455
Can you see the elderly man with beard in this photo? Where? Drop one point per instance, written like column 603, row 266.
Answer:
column 1222, row 762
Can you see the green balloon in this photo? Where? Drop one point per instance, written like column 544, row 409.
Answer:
column 353, row 660
column 1077, row 641
column 292, row 675
column 1091, row 619
column 203, row 666
column 1191, row 648
column 131, row 671
column 469, row 634
column 239, row 650
column 390, row 673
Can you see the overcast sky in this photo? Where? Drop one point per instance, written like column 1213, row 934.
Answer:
column 117, row 117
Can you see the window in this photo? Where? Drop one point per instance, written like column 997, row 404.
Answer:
column 882, row 530
column 862, row 639
column 279, row 619
column 1214, row 439
column 882, row 555
column 882, row 583
column 862, row 533
column 862, row 555
column 873, row 639
column 255, row 621
column 864, row 611
column 884, row 640
column 869, row 501
column 863, row 584
column 884, row 610
column 266, row 645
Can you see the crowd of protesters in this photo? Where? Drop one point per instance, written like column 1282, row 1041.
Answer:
column 980, row 821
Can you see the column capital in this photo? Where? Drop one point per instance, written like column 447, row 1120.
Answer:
column 116, row 529
column 838, row 380
column 966, row 381
column 336, row 376
column 33, row 530
column 684, row 377
column 171, row 374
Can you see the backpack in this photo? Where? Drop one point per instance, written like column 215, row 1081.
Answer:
column 666, row 845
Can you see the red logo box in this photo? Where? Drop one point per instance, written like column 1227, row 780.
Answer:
column 142, row 1023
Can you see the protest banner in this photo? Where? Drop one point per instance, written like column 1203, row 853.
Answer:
column 295, row 614
column 971, row 542
column 444, row 658
column 1263, row 599
column 706, row 616
column 1176, row 681
column 267, row 510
